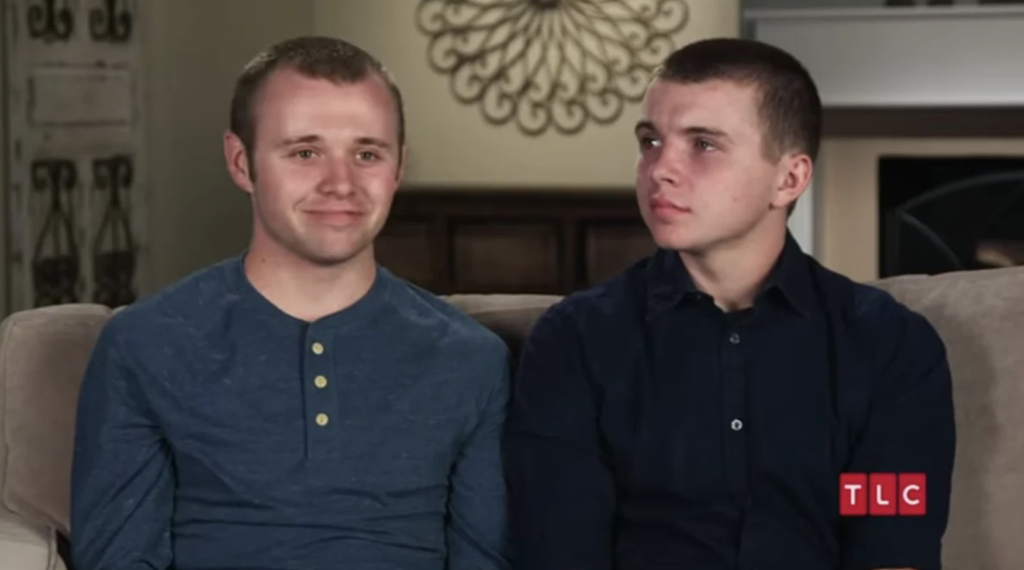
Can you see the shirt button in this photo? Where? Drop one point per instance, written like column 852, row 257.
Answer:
column 320, row 382
column 318, row 348
column 734, row 338
column 322, row 419
column 736, row 425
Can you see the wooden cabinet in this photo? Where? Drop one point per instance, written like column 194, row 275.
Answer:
column 525, row 241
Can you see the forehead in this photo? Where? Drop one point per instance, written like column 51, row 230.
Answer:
column 726, row 105
column 289, row 100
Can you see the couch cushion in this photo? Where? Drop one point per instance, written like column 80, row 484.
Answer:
column 980, row 316
column 43, row 355
column 27, row 546
column 509, row 316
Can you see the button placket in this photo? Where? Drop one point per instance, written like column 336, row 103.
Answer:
column 320, row 381
column 734, row 394
column 320, row 405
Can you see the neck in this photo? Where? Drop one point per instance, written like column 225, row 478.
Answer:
column 305, row 290
column 733, row 273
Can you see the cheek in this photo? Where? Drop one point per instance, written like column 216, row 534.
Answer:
column 643, row 176
column 750, row 188
column 714, row 180
column 722, row 176
column 381, row 182
column 281, row 185
column 287, row 173
column 646, row 161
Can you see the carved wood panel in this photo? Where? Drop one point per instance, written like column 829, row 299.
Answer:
column 511, row 241
column 76, row 203
column 610, row 247
column 409, row 243
column 521, row 256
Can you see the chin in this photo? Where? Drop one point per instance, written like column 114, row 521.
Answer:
column 339, row 257
column 676, row 239
column 327, row 255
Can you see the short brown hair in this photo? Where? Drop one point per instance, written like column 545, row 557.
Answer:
column 317, row 57
column 789, row 107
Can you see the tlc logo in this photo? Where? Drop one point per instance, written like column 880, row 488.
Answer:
column 882, row 494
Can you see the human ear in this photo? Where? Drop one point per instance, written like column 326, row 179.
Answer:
column 795, row 175
column 237, row 159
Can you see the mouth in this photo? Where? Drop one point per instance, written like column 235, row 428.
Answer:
column 666, row 208
column 335, row 217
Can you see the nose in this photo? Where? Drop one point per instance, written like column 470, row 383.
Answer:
column 666, row 170
column 337, row 177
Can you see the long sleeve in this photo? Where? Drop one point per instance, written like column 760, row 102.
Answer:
column 910, row 429
column 476, row 529
column 122, row 486
column 562, row 495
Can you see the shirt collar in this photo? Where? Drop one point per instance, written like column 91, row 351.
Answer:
column 669, row 283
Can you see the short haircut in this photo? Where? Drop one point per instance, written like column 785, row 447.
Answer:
column 316, row 57
column 789, row 106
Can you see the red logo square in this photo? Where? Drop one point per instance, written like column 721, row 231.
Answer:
column 884, row 499
column 913, row 494
column 853, row 494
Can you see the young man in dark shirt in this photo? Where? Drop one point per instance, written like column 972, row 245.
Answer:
column 296, row 406
column 697, row 411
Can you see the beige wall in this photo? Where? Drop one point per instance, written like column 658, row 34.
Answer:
column 848, row 202
column 451, row 145
column 195, row 49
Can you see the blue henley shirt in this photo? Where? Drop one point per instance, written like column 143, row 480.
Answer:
column 216, row 432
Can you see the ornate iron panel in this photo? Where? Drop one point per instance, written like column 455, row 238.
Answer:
column 55, row 254
column 113, row 248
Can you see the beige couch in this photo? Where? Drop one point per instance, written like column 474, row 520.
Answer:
column 979, row 314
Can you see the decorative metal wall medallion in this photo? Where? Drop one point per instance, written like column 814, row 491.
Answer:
column 55, row 259
column 112, row 22
column 113, row 251
column 550, row 63
column 49, row 21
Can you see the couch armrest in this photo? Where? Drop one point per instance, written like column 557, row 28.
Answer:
column 27, row 546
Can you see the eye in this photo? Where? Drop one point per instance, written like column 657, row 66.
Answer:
column 368, row 156
column 304, row 154
column 646, row 141
column 704, row 145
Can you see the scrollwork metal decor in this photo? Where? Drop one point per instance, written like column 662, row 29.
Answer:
column 112, row 22
column 113, row 251
column 114, row 246
column 550, row 64
column 48, row 21
column 55, row 257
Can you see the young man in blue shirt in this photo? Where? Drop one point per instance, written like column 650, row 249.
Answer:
column 296, row 407
column 698, row 410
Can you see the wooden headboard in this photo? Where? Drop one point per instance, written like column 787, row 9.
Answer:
column 523, row 241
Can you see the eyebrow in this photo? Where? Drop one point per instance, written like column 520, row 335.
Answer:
column 373, row 141
column 695, row 130
column 313, row 139
column 306, row 139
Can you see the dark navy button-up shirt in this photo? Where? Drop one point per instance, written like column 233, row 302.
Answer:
column 652, row 431
column 215, row 432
